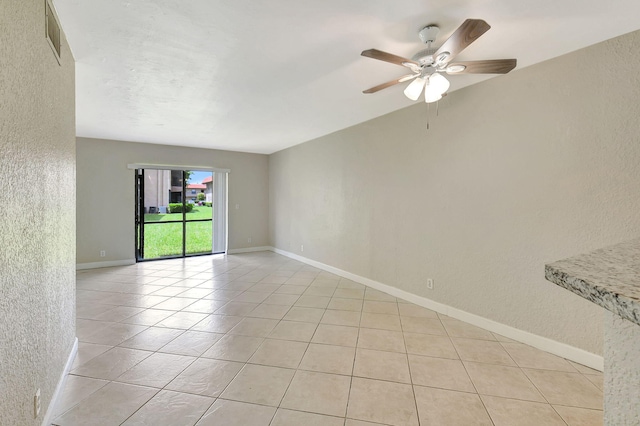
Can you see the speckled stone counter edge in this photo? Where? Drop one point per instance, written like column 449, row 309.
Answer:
column 609, row 277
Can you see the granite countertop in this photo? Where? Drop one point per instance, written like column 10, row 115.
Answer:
column 609, row 277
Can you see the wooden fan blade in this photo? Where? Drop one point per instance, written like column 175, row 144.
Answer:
column 391, row 83
column 492, row 66
column 467, row 33
column 388, row 57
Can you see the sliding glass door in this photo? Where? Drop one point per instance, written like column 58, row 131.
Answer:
column 175, row 211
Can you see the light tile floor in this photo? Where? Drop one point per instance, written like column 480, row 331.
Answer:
column 259, row 339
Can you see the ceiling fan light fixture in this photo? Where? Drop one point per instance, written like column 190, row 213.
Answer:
column 429, row 65
column 414, row 89
column 456, row 68
column 435, row 87
column 437, row 84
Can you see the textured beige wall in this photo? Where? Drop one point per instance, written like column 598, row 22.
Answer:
column 517, row 171
column 105, row 190
column 37, row 230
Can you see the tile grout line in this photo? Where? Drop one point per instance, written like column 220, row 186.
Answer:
column 353, row 368
column 294, row 374
column 406, row 353
column 477, row 393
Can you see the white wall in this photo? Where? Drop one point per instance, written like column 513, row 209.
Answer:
column 37, row 227
column 105, row 217
column 517, row 171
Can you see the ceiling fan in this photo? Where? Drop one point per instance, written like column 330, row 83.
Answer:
column 428, row 65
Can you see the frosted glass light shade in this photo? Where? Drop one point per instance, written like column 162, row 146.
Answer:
column 432, row 97
column 435, row 87
column 414, row 89
column 438, row 83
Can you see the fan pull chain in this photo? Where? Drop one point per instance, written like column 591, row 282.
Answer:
column 428, row 116
column 428, row 107
column 437, row 107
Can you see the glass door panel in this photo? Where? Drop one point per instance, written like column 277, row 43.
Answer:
column 199, row 219
column 175, row 213
column 162, row 239
column 198, row 237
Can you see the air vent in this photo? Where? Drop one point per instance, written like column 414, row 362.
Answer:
column 52, row 29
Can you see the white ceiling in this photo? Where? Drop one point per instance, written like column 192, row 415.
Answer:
column 262, row 76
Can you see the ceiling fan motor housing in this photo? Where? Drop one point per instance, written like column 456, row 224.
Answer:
column 424, row 57
column 428, row 34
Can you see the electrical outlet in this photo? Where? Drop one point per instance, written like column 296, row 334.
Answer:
column 301, row 248
column 103, row 253
column 430, row 284
column 36, row 404
column 249, row 239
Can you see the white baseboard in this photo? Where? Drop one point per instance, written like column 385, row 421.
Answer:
column 48, row 417
column 557, row 348
column 249, row 250
column 105, row 264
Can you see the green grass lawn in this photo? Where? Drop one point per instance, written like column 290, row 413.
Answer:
column 165, row 239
